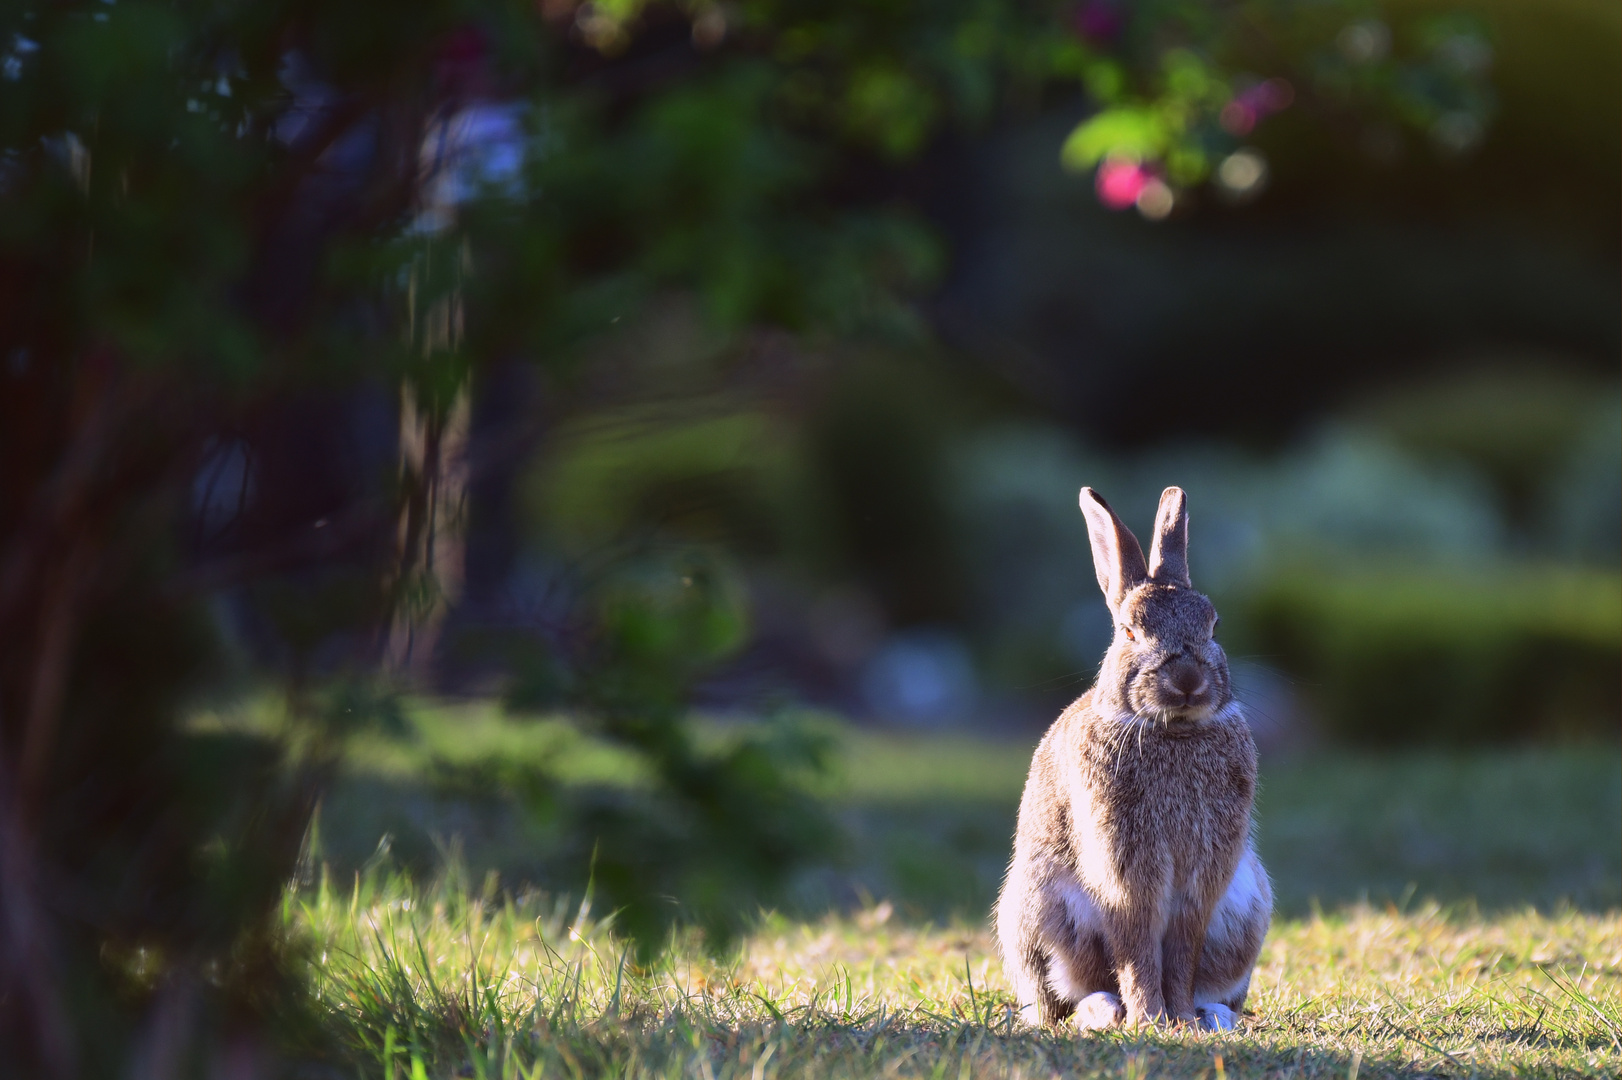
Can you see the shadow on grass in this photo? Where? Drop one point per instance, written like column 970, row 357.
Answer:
column 643, row 1043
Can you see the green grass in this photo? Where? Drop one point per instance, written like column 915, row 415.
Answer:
column 1439, row 916
column 929, row 819
column 447, row 982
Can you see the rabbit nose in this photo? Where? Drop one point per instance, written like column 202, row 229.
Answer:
column 1188, row 680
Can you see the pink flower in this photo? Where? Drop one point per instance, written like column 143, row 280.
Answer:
column 1119, row 182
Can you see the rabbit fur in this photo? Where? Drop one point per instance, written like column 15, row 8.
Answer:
column 1135, row 894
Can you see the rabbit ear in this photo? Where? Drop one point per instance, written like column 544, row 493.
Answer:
column 1168, row 554
column 1116, row 555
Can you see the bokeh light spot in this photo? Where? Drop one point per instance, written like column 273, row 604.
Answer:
column 1242, row 174
column 1366, row 42
column 1156, row 200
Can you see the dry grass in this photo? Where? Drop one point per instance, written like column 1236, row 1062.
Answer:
column 452, row 982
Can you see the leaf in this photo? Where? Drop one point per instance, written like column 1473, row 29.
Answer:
column 1133, row 133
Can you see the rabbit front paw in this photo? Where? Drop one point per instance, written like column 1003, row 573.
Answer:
column 1099, row 1010
column 1214, row 1016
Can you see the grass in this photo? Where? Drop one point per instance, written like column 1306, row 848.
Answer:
column 1508, row 963
column 929, row 818
column 448, row 981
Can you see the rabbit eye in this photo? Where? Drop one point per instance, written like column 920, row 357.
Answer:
column 1127, row 630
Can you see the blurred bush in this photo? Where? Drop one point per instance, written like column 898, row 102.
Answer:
column 1518, row 422
column 879, row 445
column 1030, row 577
column 1437, row 656
column 1584, row 500
column 716, row 472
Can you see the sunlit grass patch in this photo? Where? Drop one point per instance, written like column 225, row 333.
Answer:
column 448, row 981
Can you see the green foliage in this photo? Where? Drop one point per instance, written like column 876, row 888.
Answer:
column 710, row 830
column 664, row 829
column 721, row 476
column 1193, row 86
column 1444, row 657
column 1137, row 134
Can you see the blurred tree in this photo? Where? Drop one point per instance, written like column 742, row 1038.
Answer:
column 251, row 257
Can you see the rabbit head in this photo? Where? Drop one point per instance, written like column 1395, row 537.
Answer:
column 1163, row 664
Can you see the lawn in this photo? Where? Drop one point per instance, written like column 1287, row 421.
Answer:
column 1439, row 915
column 929, row 818
column 456, row 982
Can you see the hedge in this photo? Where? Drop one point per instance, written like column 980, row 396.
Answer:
column 1388, row 657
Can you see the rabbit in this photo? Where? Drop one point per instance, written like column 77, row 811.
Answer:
column 1135, row 894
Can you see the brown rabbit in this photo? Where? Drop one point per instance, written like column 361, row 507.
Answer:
column 1134, row 893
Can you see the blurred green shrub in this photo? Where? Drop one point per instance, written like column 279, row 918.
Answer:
column 878, row 446
column 1516, row 424
column 702, row 834
column 672, row 824
column 704, row 472
column 1585, row 496
column 1411, row 656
